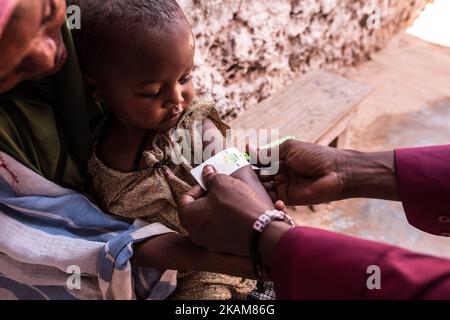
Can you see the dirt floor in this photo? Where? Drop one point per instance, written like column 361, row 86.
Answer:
column 410, row 106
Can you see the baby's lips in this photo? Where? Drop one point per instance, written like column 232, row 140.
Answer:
column 172, row 117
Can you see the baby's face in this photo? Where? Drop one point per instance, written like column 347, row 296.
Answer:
column 153, row 86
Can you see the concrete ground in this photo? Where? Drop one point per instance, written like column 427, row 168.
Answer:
column 410, row 106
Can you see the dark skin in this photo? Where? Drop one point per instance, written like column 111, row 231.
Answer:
column 311, row 174
column 31, row 47
column 245, row 174
column 40, row 51
column 150, row 91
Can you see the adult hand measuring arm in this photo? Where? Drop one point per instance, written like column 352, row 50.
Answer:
column 313, row 174
column 307, row 263
column 419, row 177
column 222, row 219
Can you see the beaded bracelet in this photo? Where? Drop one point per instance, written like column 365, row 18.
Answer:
column 258, row 227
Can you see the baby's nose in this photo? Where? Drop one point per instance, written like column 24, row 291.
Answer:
column 175, row 97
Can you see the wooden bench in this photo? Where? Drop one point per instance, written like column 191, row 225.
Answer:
column 316, row 107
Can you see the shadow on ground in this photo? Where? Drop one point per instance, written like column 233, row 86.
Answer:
column 428, row 126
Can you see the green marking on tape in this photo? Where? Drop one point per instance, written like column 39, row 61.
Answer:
column 277, row 142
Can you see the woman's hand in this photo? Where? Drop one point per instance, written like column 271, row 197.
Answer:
column 308, row 174
column 222, row 218
column 313, row 174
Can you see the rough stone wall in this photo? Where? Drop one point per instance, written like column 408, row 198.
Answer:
column 248, row 49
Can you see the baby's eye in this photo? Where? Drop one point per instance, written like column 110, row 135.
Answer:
column 151, row 95
column 186, row 79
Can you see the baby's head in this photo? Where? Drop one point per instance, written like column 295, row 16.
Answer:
column 137, row 57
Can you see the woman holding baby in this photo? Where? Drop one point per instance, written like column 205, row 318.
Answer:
column 47, row 121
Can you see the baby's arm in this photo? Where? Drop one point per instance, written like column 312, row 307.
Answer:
column 177, row 252
column 245, row 174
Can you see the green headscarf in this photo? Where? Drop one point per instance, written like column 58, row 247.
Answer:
column 46, row 124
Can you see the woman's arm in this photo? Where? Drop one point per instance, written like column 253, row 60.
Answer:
column 423, row 176
column 176, row 252
column 309, row 263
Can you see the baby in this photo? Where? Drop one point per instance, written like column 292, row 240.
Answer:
column 137, row 58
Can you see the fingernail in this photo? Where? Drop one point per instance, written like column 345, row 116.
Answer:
column 208, row 170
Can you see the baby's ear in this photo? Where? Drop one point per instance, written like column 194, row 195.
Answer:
column 92, row 87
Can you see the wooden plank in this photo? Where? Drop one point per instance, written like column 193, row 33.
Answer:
column 312, row 108
column 337, row 131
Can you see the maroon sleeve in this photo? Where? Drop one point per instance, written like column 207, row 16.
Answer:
column 317, row 264
column 423, row 177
